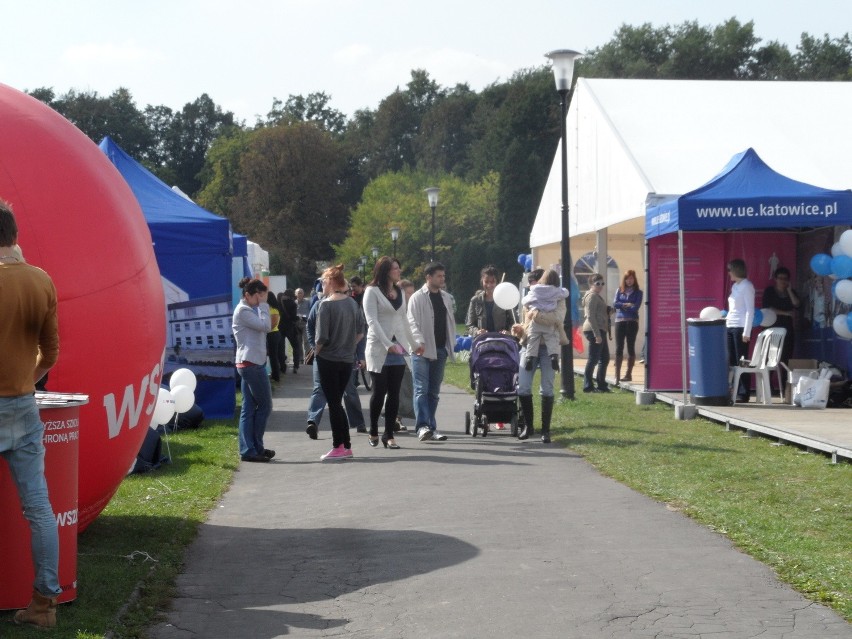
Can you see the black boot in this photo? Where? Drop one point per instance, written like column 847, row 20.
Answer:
column 618, row 377
column 527, row 413
column 630, row 362
column 546, row 414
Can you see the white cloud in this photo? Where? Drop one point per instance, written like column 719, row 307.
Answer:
column 110, row 54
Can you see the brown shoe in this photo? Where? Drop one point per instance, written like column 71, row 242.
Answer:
column 41, row 612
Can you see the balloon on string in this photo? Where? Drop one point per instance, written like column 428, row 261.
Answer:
column 769, row 317
column 836, row 249
column 184, row 398
column 528, row 263
column 466, row 342
column 724, row 313
column 522, row 259
column 506, row 296
column 164, row 410
column 183, row 377
column 846, row 242
column 821, row 264
column 843, row 291
column 710, row 313
column 758, row 317
column 841, row 326
column 457, row 346
column 841, row 266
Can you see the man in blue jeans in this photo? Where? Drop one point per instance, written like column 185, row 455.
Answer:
column 29, row 341
column 433, row 326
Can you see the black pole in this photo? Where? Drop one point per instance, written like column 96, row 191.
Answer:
column 394, row 248
column 432, row 255
column 567, row 349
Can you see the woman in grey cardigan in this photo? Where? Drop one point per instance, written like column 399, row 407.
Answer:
column 594, row 328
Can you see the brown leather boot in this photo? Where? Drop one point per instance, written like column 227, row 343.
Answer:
column 629, row 376
column 40, row 613
column 618, row 361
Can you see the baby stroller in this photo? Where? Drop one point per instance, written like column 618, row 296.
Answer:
column 494, row 361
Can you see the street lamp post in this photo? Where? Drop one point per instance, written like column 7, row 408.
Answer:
column 563, row 72
column 362, row 266
column 394, row 236
column 432, row 194
column 375, row 252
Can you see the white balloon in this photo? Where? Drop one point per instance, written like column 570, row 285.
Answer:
column 183, row 377
column 165, row 407
column 836, row 249
column 184, row 398
column 846, row 242
column 841, row 328
column 843, row 290
column 506, row 296
column 710, row 313
column 769, row 317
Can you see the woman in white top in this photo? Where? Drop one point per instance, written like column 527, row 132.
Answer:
column 389, row 339
column 739, row 320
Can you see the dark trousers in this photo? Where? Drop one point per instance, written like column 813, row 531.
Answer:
column 386, row 386
column 737, row 348
column 333, row 379
column 291, row 335
column 598, row 356
column 275, row 349
column 626, row 331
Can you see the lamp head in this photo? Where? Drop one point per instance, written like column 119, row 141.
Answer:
column 394, row 233
column 432, row 194
column 563, row 67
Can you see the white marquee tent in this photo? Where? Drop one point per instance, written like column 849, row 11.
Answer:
column 633, row 143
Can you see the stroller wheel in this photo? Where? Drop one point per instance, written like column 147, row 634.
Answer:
column 467, row 423
column 484, row 420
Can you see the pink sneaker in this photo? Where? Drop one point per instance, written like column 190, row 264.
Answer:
column 337, row 453
column 347, row 452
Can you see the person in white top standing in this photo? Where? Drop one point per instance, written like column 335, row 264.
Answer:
column 739, row 320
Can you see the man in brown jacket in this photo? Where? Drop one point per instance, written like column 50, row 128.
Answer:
column 29, row 341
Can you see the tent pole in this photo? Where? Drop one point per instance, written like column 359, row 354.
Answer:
column 686, row 411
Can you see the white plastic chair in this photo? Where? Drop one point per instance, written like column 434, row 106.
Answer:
column 765, row 359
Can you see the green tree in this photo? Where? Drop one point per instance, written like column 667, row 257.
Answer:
column 826, row 59
column 311, row 108
column 289, row 193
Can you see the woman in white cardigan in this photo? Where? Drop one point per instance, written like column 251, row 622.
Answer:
column 389, row 340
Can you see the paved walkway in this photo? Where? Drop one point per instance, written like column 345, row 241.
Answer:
column 464, row 538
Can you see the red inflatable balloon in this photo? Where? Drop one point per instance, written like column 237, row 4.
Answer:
column 79, row 221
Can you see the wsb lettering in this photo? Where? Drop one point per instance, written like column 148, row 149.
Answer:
column 132, row 402
column 68, row 518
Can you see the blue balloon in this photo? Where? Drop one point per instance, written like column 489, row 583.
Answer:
column 841, row 266
column 466, row 343
column 724, row 314
column 522, row 259
column 821, row 264
column 457, row 346
column 528, row 263
column 849, row 321
column 758, row 317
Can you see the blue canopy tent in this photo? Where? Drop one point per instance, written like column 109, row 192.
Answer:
column 194, row 251
column 746, row 196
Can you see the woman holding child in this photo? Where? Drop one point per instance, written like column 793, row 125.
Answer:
column 540, row 337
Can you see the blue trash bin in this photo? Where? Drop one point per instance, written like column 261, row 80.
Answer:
column 708, row 362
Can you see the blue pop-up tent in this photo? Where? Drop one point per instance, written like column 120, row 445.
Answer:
column 747, row 195
column 194, row 250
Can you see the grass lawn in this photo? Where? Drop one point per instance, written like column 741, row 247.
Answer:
column 787, row 508
column 130, row 555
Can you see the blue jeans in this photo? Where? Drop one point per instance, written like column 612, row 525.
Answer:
column 428, row 375
column 21, row 445
column 525, row 377
column 351, row 401
column 598, row 356
column 257, row 406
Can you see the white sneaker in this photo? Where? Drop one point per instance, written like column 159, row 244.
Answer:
column 424, row 434
column 438, row 436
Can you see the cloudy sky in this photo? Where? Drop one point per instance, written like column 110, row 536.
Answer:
column 244, row 54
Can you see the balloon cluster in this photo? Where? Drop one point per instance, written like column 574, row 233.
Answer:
column 463, row 343
column 838, row 266
column 178, row 399
column 525, row 260
column 764, row 317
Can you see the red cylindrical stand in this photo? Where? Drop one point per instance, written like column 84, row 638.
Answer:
column 61, row 417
